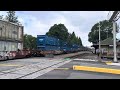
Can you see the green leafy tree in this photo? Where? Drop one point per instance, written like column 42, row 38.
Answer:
column 69, row 39
column 105, row 30
column 61, row 32
column 80, row 42
column 58, row 31
column 29, row 42
column 73, row 38
column 11, row 17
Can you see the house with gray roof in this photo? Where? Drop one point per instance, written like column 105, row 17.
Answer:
column 107, row 47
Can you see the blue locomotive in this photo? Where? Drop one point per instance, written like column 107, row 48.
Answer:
column 56, row 46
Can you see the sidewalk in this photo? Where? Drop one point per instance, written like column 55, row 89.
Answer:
column 107, row 62
column 103, row 66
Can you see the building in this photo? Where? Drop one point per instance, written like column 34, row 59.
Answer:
column 107, row 47
column 11, row 36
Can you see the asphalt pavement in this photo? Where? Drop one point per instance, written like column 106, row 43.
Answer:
column 69, row 73
column 55, row 68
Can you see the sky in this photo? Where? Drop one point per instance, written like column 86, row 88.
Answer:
column 39, row 22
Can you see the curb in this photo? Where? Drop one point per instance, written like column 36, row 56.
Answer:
column 96, row 69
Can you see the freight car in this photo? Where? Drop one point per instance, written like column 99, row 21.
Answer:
column 11, row 41
column 47, row 45
column 8, row 55
column 51, row 45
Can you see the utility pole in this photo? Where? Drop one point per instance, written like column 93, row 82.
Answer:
column 113, row 19
column 99, row 44
column 107, row 33
column 114, row 41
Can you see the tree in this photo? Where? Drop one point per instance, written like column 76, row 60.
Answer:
column 58, row 31
column 61, row 32
column 105, row 30
column 11, row 17
column 80, row 42
column 29, row 42
column 73, row 38
column 1, row 16
column 69, row 39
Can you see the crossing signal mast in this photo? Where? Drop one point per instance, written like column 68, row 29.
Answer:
column 113, row 18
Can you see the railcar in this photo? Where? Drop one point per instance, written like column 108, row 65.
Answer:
column 51, row 45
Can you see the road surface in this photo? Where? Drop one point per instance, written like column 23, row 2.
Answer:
column 63, row 73
column 53, row 68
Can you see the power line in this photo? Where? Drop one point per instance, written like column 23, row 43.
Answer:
column 118, row 16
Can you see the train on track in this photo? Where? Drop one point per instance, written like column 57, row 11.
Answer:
column 51, row 45
column 11, row 43
column 45, row 46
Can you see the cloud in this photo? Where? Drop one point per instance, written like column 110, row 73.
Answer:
column 2, row 13
column 33, row 26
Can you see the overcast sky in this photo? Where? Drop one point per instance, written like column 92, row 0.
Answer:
column 38, row 22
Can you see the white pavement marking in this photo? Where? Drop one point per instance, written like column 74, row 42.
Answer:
column 9, row 76
column 10, row 65
column 84, row 59
column 116, row 64
column 39, row 73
